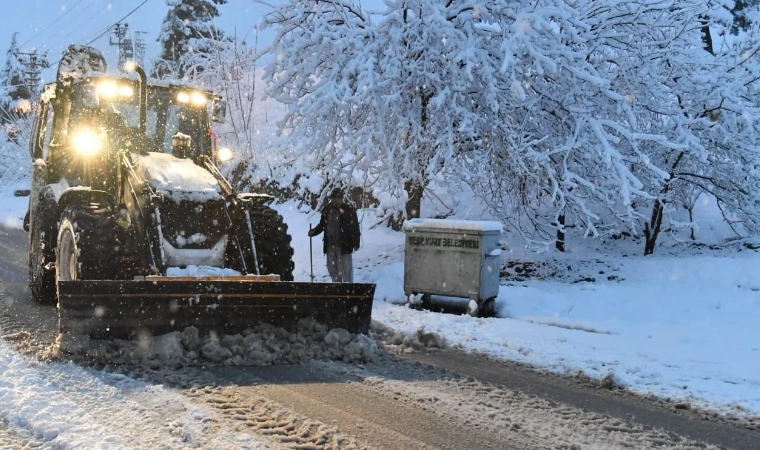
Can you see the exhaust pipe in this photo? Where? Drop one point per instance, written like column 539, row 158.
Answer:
column 143, row 102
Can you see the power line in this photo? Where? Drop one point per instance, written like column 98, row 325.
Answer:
column 109, row 28
column 68, row 10
column 66, row 28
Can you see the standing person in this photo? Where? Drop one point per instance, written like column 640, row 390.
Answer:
column 342, row 236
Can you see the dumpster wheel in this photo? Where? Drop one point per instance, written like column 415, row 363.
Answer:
column 487, row 308
column 423, row 303
column 482, row 308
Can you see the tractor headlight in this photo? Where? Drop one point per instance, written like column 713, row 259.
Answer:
column 86, row 141
column 225, row 154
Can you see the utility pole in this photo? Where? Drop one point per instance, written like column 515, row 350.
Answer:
column 140, row 47
column 33, row 64
column 123, row 42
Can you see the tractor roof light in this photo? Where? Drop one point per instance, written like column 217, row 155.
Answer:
column 194, row 97
column 198, row 99
column 126, row 91
column 109, row 89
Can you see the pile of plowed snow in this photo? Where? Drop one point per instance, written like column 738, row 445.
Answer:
column 261, row 345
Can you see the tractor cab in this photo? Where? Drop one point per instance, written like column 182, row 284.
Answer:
column 92, row 118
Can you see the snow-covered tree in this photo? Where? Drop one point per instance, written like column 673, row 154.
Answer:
column 15, row 94
column 745, row 12
column 620, row 106
column 395, row 102
column 229, row 69
column 15, row 165
column 603, row 114
column 186, row 27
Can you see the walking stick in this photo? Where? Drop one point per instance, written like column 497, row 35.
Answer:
column 311, row 255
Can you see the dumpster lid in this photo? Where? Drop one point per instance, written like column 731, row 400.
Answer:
column 452, row 225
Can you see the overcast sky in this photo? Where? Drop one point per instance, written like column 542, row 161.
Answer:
column 54, row 24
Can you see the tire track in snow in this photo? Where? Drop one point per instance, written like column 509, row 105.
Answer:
column 628, row 408
column 395, row 404
column 350, row 414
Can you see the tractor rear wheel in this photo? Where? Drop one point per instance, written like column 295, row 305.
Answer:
column 41, row 240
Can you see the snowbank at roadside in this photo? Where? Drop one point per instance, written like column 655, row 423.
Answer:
column 13, row 209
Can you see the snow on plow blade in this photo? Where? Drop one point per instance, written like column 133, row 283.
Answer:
column 226, row 304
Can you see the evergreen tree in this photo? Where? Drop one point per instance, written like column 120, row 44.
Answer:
column 15, row 91
column 186, row 25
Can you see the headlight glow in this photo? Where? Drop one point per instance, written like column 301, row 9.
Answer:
column 198, row 99
column 126, row 91
column 86, row 141
column 225, row 154
column 107, row 89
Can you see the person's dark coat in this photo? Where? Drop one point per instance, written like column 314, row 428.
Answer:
column 350, row 236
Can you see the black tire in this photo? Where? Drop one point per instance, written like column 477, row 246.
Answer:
column 87, row 245
column 42, row 238
column 488, row 308
column 273, row 249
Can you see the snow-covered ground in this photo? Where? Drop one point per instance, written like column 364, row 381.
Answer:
column 67, row 406
column 683, row 327
column 12, row 209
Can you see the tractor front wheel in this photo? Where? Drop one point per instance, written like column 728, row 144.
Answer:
column 272, row 242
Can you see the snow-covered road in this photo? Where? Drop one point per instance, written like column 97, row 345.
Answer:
column 676, row 327
column 392, row 403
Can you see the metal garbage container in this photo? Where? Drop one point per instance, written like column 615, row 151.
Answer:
column 452, row 258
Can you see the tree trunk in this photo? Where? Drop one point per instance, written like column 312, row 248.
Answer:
column 652, row 228
column 707, row 41
column 691, row 221
column 560, row 242
column 414, row 203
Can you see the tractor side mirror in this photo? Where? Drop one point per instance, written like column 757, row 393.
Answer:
column 218, row 110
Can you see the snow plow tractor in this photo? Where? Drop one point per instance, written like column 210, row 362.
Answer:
column 132, row 226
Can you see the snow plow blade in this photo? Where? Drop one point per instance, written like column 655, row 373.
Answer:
column 225, row 304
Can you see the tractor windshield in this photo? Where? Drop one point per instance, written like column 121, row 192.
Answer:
column 170, row 112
